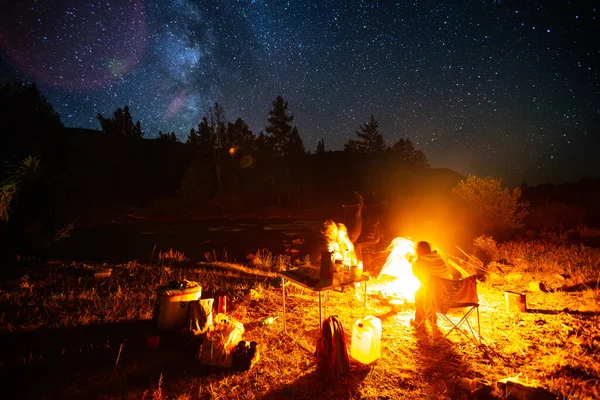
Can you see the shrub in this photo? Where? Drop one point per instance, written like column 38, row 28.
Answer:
column 495, row 209
column 486, row 249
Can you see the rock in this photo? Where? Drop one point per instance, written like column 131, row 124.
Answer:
column 520, row 389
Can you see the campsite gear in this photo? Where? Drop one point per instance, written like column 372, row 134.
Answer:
column 170, row 309
column 452, row 294
column 103, row 273
column 338, row 275
column 331, row 352
column 268, row 321
column 521, row 389
column 244, row 356
column 346, row 278
column 339, row 264
column 326, row 270
column 354, row 272
column 222, row 305
column 221, row 339
column 365, row 346
column 476, row 387
column 200, row 316
column 515, row 301
column 321, row 287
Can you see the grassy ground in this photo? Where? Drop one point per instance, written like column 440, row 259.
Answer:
column 65, row 334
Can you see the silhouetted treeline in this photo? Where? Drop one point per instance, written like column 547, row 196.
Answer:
column 556, row 207
column 223, row 168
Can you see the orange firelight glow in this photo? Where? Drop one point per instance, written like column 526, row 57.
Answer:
column 396, row 279
column 339, row 244
column 398, row 265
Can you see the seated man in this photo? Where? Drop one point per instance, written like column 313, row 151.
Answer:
column 428, row 264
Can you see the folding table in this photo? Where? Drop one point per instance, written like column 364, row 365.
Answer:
column 319, row 286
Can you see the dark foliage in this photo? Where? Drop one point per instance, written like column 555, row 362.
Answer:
column 224, row 169
column 555, row 207
column 121, row 124
column 369, row 139
column 28, row 123
column 167, row 137
column 32, row 159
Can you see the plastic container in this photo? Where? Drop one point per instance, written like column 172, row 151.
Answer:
column 355, row 272
column 172, row 305
column 222, row 304
column 366, row 340
column 515, row 301
column 338, row 277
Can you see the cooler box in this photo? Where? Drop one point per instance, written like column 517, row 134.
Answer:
column 171, row 308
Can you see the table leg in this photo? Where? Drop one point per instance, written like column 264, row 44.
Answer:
column 283, row 290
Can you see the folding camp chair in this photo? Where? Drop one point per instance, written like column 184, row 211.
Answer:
column 457, row 294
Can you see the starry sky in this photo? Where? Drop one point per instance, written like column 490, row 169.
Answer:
column 509, row 89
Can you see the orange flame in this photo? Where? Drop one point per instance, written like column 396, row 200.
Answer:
column 399, row 265
column 339, row 244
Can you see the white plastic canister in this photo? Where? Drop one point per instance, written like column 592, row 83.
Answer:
column 366, row 340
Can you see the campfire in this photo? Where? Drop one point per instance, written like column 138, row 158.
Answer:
column 398, row 266
column 396, row 280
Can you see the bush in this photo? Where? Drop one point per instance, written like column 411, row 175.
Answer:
column 494, row 209
column 486, row 249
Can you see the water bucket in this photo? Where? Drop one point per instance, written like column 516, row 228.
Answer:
column 172, row 305
column 366, row 340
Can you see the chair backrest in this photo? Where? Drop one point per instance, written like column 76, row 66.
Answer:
column 467, row 295
column 448, row 293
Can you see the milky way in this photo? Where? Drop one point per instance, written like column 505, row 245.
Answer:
column 485, row 88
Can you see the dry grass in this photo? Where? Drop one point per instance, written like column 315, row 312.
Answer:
column 556, row 343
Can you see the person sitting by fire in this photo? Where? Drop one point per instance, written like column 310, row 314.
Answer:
column 428, row 264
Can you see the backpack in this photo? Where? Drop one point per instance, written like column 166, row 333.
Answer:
column 331, row 352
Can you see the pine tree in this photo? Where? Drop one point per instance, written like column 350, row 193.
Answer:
column 286, row 140
column 404, row 153
column 239, row 136
column 121, row 123
column 287, row 146
column 320, row 146
column 167, row 137
column 192, row 138
column 369, row 139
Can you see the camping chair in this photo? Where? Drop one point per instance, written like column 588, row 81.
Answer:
column 453, row 294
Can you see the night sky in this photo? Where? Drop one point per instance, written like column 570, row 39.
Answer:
column 483, row 87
